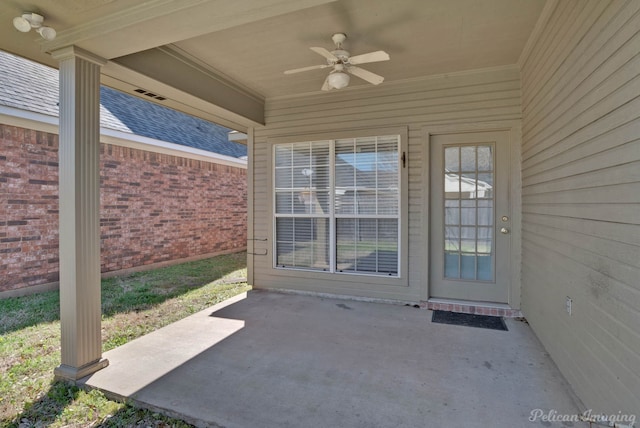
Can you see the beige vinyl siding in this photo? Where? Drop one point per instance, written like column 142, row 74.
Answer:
column 464, row 98
column 581, row 197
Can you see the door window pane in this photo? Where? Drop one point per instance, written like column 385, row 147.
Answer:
column 451, row 264
column 452, row 238
column 468, row 158
column 452, row 184
column 468, row 266
column 485, row 158
column 485, row 267
column 468, row 212
column 452, row 211
column 452, row 159
column 468, row 216
column 485, row 186
column 485, row 212
column 485, row 240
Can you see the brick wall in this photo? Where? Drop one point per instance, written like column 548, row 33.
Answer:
column 154, row 208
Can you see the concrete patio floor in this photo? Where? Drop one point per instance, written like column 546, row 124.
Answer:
column 279, row 360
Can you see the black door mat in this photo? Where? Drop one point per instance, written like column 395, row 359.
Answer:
column 469, row 320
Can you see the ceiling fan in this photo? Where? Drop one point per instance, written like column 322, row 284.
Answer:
column 343, row 63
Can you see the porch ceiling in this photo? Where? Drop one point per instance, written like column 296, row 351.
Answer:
column 422, row 37
column 245, row 45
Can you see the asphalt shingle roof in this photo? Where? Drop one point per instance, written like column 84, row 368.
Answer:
column 33, row 87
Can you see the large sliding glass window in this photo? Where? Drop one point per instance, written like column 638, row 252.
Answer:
column 336, row 205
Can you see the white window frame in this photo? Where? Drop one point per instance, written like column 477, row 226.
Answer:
column 402, row 241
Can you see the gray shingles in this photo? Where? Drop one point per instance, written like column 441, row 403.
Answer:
column 33, row 87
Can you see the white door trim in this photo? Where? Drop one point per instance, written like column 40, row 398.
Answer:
column 514, row 129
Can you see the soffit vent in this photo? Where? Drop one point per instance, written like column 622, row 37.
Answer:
column 150, row 94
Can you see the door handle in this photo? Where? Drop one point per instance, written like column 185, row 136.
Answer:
column 504, row 231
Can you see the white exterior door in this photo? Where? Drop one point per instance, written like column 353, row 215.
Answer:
column 470, row 236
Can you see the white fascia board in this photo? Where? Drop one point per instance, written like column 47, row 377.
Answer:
column 237, row 136
column 45, row 123
column 134, row 141
column 28, row 119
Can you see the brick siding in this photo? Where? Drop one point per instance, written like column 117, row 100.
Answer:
column 154, row 208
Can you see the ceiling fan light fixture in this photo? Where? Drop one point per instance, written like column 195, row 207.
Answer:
column 21, row 24
column 47, row 33
column 28, row 21
column 339, row 80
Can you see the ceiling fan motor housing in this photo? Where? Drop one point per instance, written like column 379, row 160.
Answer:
column 338, row 38
column 342, row 55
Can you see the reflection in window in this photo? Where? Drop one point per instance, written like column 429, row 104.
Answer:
column 468, row 212
column 344, row 189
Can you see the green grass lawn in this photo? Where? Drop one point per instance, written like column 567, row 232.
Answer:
column 132, row 306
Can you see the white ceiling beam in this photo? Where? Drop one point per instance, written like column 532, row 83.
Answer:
column 188, row 87
column 160, row 22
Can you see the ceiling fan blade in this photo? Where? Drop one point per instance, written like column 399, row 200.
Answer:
column 313, row 67
column 325, row 85
column 369, row 57
column 365, row 75
column 325, row 53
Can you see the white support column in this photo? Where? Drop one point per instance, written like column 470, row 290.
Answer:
column 79, row 160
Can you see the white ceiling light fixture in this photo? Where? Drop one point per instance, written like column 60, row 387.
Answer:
column 28, row 21
column 338, row 79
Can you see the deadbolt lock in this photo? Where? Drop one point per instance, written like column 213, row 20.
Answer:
column 505, row 218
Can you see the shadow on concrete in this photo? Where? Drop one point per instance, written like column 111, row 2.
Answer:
column 278, row 360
